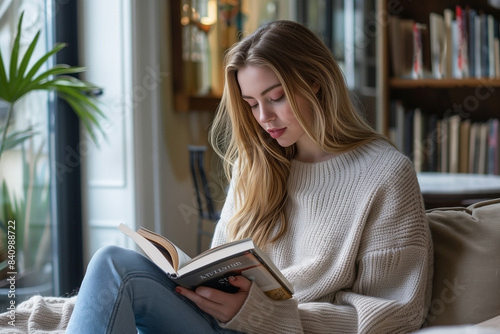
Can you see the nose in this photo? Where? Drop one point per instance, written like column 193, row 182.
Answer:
column 266, row 114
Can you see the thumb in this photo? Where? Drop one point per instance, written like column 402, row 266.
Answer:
column 240, row 282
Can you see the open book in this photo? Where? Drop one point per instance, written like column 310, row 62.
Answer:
column 213, row 267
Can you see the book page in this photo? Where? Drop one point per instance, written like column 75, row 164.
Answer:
column 178, row 257
column 149, row 248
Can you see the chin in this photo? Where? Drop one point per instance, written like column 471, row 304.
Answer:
column 283, row 143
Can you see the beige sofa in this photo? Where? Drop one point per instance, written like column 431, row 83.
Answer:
column 466, row 285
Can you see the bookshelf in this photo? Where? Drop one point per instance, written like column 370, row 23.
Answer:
column 428, row 110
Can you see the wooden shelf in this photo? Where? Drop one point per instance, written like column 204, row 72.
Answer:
column 398, row 83
column 182, row 100
column 185, row 102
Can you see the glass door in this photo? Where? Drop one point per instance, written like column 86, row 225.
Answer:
column 26, row 220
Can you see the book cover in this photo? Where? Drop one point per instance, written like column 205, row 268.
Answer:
column 409, row 132
column 439, row 145
column 448, row 50
column 213, row 267
column 437, row 43
column 483, row 148
column 401, row 42
column 485, row 52
column 454, row 143
column 496, row 51
column 432, row 140
column 417, row 68
column 473, row 147
column 455, row 51
column 465, row 43
column 395, row 41
column 493, row 146
column 477, row 46
column 418, row 140
column 459, row 38
column 464, row 145
column 497, row 58
column 471, row 41
column 491, row 46
column 444, row 145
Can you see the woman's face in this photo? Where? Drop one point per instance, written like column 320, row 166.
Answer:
column 262, row 90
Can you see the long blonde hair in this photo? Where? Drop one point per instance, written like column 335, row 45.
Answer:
column 261, row 167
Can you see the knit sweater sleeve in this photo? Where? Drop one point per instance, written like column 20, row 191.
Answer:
column 390, row 289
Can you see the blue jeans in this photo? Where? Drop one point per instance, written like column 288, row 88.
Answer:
column 124, row 292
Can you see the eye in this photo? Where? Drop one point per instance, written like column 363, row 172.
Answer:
column 278, row 99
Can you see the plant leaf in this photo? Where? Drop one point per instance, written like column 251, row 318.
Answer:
column 36, row 67
column 3, row 79
column 15, row 51
column 85, row 117
column 60, row 69
column 19, row 82
column 27, row 55
column 76, row 88
column 87, row 107
column 69, row 81
column 15, row 138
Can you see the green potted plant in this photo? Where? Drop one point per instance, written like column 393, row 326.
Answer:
column 22, row 76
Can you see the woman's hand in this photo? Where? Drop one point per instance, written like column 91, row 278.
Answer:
column 222, row 306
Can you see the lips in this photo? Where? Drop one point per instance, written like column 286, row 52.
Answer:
column 276, row 133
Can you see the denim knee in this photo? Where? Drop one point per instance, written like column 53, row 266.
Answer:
column 120, row 260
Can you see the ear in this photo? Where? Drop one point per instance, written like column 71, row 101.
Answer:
column 315, row 87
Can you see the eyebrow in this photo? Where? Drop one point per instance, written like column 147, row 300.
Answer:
column 264, row 92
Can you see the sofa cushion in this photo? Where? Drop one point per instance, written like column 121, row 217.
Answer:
column 466, row 285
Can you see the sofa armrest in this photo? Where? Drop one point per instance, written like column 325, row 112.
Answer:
column 492, row 323
column 466, row 262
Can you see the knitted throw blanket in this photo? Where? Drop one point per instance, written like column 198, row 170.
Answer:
column 38, row 315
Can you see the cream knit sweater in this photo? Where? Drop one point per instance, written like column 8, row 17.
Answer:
column 357, row 250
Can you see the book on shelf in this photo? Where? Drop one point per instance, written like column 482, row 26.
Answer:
column 485, row 53
column 402, row 45
column 496, row 51
column 417, row 65
column 462, row 29
column 483, row 147
column 463, row 42
column 431, row 157
column 448, row 50
column 473, row 148
column 454, row 143
column 451, row 144
column 213, row 267
column 493, row 146
column 418, row 140
column 444, row 144
column 491, row 46
column 471, row 41
column 464, row 145
column 437, row 40
column 477, row 45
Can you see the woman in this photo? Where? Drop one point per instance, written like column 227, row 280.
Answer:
column 334, row 204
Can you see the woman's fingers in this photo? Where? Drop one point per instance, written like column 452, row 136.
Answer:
column 221, row 305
